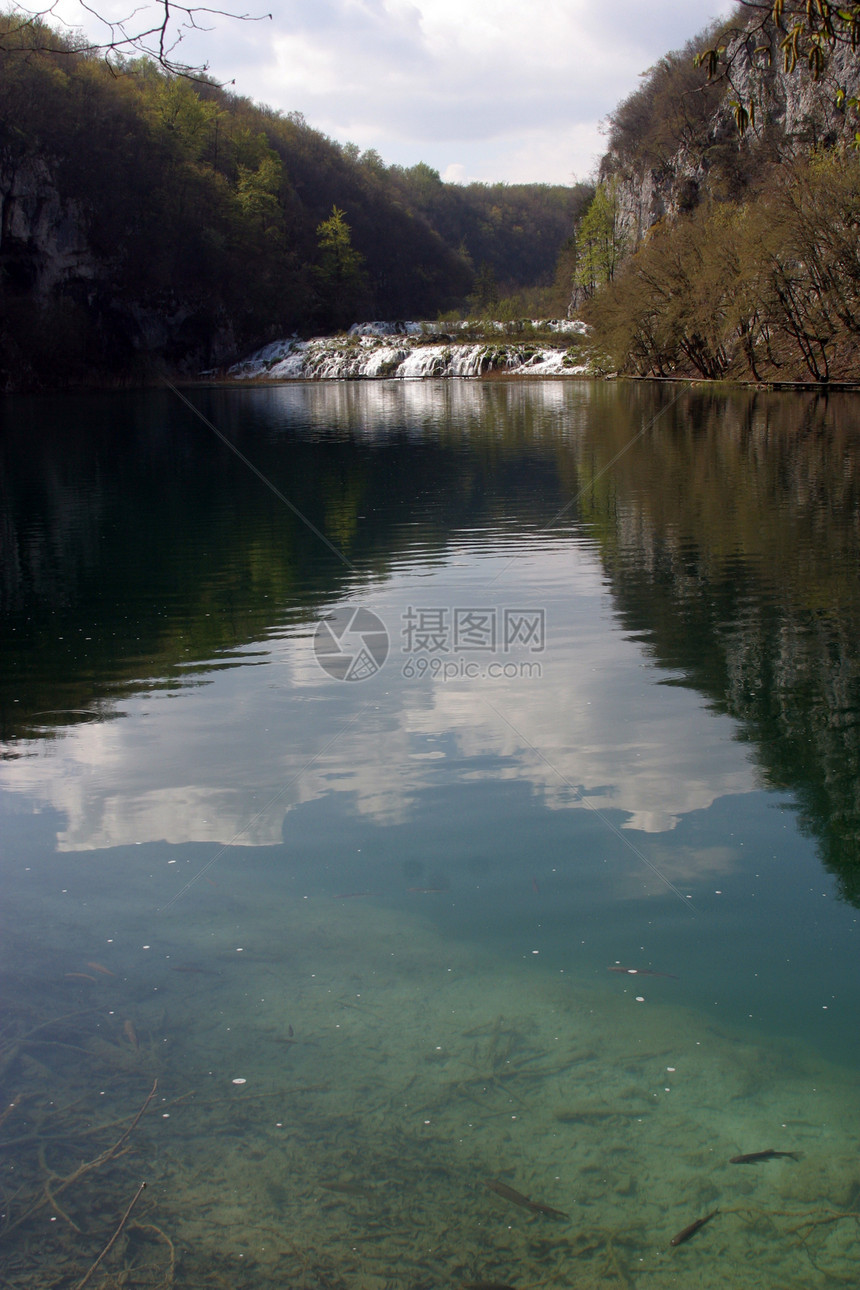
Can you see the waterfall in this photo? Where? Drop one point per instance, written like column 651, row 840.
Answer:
column 416, row 351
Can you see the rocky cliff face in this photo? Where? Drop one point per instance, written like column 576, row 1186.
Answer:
column 700, row 152
column 42, row 240
column 62, row 318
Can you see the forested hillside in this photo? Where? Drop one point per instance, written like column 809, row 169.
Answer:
column 723, row 237
column 150, row 220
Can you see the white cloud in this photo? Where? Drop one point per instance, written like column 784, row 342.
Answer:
column 499, row 89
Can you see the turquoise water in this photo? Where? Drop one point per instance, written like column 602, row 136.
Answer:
column 558, row 892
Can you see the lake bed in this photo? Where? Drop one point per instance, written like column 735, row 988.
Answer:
column 465, row 793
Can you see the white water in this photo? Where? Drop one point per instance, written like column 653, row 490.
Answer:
column 412, row 351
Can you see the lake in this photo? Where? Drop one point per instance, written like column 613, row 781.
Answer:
column 430, row 837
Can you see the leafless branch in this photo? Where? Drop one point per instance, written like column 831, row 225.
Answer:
column 153, row 31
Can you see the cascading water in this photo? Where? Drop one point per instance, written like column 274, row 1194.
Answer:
column 416, row 351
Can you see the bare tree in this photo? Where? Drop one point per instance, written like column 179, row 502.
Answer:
column 149, row 30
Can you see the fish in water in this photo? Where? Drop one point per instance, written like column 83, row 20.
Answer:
column 687, row 1232
column 99, row 967
column 517, row 1198
column 131, row 1035
column 643, row 972
column 755, row 1156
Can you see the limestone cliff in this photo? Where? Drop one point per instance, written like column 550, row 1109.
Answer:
column 42, row 240
column 676, row 141
column 63, row 317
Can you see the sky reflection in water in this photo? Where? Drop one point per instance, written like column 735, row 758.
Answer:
column 692, row 593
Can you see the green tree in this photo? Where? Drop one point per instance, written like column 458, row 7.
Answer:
column 485, row 295
column 179, row 111
column 257, row 190
column 340, row 274
column 600, row 241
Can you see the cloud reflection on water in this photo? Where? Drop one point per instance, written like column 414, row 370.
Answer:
column 198, row 764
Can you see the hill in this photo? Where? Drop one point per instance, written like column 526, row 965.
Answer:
column 723, row 237
column 148, row 221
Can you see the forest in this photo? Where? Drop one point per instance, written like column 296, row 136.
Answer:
column 156, row 222
column 152, row 222
column 722, row 241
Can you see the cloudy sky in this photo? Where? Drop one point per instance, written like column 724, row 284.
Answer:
column 479, row 89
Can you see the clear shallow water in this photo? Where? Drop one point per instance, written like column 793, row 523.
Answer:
column 390, row 905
